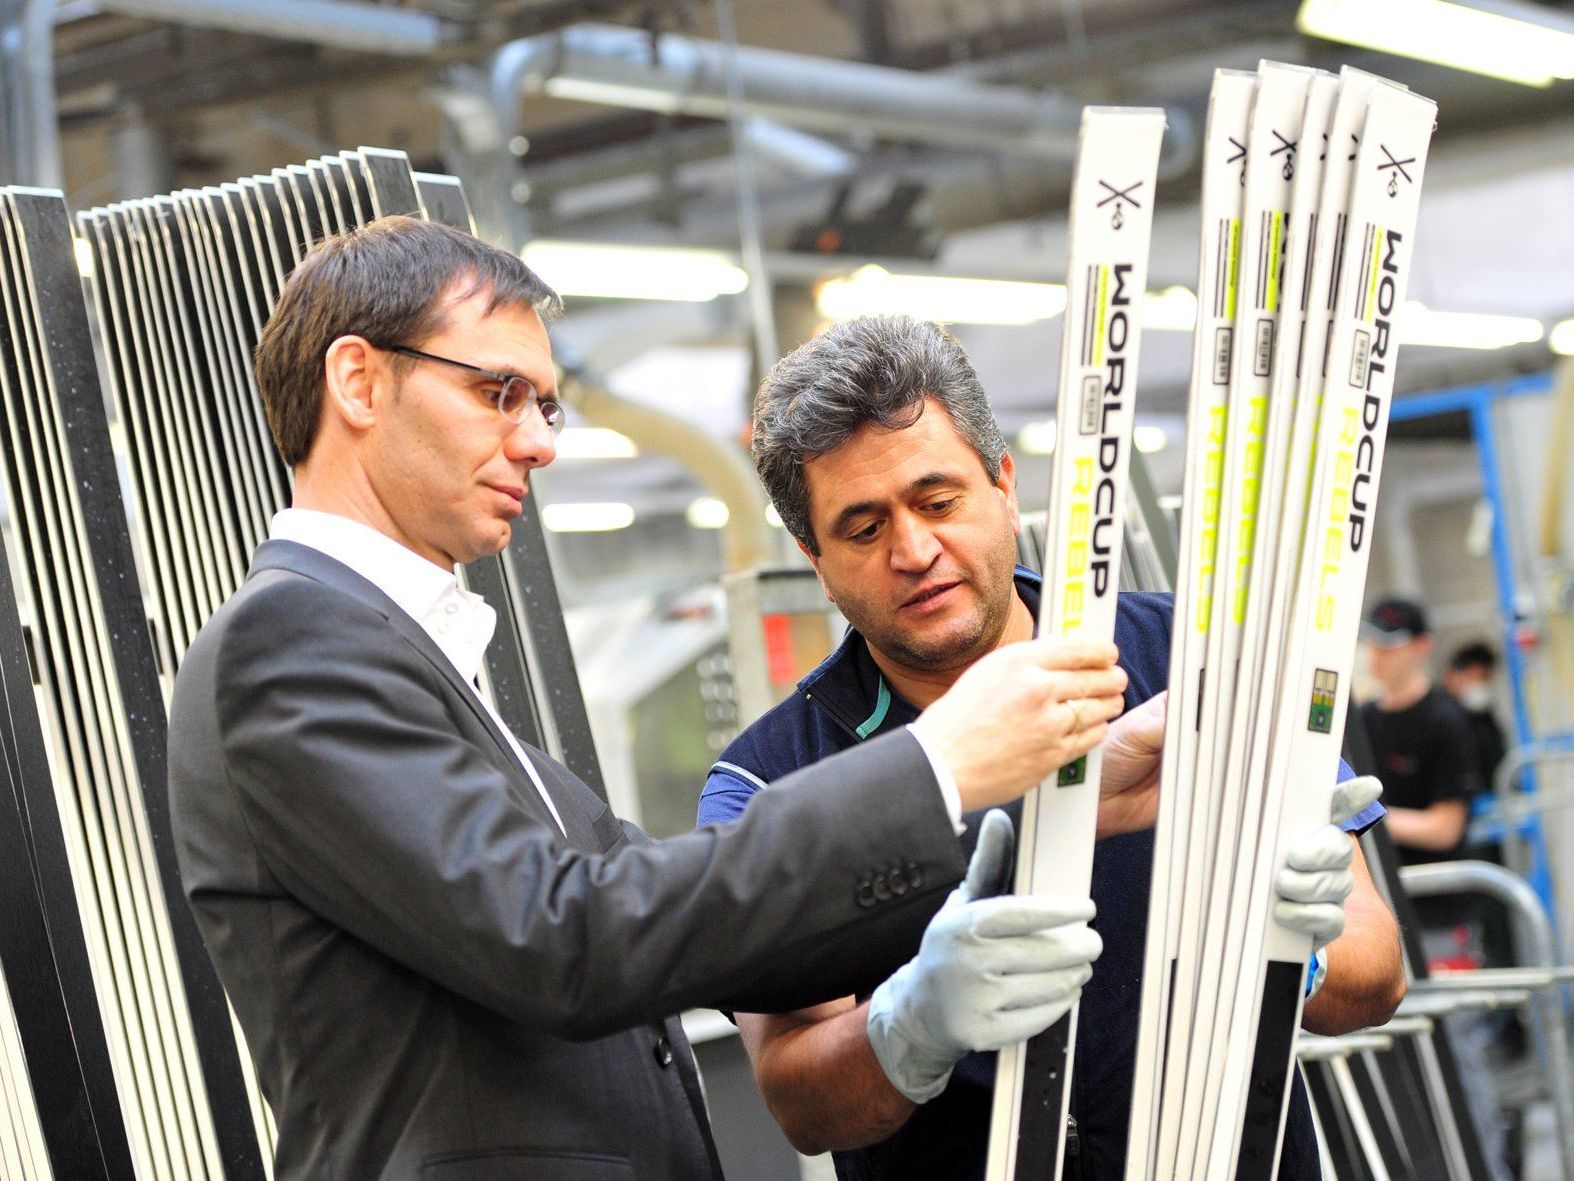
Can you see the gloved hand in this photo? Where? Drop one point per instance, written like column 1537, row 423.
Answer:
column 1316, row 879
column 990, row 971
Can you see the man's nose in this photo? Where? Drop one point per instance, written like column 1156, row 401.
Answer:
column 531, row 441
column 914, row 547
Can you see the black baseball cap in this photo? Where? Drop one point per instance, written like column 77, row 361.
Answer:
column 1393, row 622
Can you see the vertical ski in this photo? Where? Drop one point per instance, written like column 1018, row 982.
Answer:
column 1110, row 229
column 1224, row 157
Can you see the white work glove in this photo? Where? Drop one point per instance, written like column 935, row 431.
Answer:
column 989, row 972
column 1315, row 879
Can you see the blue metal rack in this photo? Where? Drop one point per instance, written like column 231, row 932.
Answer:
column 1478, row 401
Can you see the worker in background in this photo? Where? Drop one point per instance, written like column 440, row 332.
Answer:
column 1422, row 741
column 1424, row 748
column 880, row 451
column 1468, row 679
column 449, row 958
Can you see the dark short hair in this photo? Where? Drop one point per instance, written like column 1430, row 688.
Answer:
column 873, row 369
column 384, row 281
column 1474, row 655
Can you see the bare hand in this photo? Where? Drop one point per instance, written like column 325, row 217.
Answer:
column 1021, row 713
column 1129, row 786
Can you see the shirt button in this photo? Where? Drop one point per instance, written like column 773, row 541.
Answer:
column 662, row 1051
column 452, row 608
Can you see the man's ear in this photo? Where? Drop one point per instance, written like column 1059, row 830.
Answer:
column 1007, row 483
column 814, row 560
column 350, row 369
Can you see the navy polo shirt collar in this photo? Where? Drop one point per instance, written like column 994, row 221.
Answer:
column 848, row 686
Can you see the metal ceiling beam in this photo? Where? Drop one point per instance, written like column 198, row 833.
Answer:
column 343, row 24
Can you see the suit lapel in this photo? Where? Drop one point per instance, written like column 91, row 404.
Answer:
column 318, row 566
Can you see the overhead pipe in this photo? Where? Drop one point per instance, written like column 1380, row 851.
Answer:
column 725, row 470
column 341, row 24
column 685, row 75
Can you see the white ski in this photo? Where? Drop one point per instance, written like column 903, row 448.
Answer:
column 1110, row 225
column 1223, row 164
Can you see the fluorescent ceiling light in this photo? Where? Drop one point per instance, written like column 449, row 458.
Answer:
column 1148, row 439
column 706, row 512
column 1419, row 324
column 774, row 518
column 594, row 442
column 587, row 517
column 1037, row 438
column 1509, row 39
column 1561, row 339
column 873, row 290
column 1172, row 310
column 604, row 270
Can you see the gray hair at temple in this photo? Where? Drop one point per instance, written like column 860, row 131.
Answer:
column 874, row 369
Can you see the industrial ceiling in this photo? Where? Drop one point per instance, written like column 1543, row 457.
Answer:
column 932, row 135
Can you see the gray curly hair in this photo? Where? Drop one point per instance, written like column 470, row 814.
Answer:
column 871, row 369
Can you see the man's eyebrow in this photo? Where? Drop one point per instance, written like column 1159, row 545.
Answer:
column 927, row 480
column 489, row 373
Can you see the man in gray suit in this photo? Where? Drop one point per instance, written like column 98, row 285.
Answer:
column 450, row 960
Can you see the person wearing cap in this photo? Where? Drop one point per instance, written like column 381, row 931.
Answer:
column 1422, row 741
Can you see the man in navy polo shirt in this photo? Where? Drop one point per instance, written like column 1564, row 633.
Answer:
column 881, row 454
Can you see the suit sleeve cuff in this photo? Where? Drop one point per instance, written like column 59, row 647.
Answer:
column 949, row 792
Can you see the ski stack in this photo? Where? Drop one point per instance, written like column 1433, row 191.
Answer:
column 1277, row 562
column 183, row 285
column 1110, row 225
column 162, row 1017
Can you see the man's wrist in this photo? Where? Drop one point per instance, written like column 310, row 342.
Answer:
column 949, row 791
column 1316, row 971
column 911, row 1067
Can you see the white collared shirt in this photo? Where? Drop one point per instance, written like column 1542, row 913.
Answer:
column 459, row 622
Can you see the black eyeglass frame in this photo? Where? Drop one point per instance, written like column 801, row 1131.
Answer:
column 553, row 412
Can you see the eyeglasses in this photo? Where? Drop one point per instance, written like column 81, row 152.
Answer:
column 513, row 397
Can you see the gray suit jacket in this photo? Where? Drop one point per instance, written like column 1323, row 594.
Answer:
column 433, row 981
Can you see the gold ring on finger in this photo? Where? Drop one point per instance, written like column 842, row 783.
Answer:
column 1075, row 706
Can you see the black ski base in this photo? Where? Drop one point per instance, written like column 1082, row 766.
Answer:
column 1040, row 1132
column 1270, row 1077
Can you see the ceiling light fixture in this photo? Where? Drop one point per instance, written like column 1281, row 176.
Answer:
column 587, row 516
column 594, row 442
column 1149, row 438
column 1419, row 324
column 1561, row 339
column 706, row 512
column 1037, row 438
column 873, row 290
column 1509, row 39
column 604, row 270
column 1172, row 310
